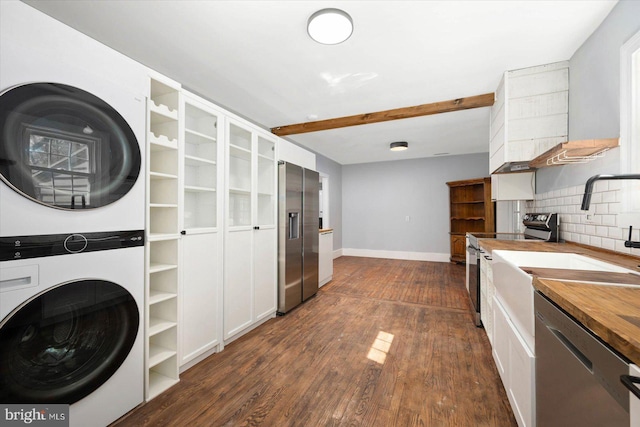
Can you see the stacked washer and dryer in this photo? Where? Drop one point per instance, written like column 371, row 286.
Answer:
column 71, row 235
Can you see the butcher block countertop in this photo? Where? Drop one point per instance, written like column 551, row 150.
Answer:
column 610, row 312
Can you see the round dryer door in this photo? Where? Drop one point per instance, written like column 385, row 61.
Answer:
column 64, row 147
column 66, row 342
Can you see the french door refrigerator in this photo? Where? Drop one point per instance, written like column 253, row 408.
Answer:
column 298, row 228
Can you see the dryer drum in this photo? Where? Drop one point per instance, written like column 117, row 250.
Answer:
column 65, row 148
column 66, row 342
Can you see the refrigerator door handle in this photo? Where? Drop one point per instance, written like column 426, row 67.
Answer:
column 294, row 225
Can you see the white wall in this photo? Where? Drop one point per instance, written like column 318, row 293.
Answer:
column 378, row 197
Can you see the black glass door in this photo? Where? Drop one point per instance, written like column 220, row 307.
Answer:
column 64, row 147
column 66, row 342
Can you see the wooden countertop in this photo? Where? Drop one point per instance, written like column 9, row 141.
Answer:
column 610, row 312
column 325, row 230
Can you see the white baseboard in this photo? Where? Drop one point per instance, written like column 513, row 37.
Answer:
column 337, row 253
column 412, row 256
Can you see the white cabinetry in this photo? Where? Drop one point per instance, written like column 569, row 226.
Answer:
column 529, row 116
column 516, row 365
column 634, row 401
column 251, row 237
column 487, row 291
column 201, row 207
column 325, row 257
column 162, row 249
column 513, row 186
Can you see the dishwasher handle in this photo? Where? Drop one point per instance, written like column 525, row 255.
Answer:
column 630, row 382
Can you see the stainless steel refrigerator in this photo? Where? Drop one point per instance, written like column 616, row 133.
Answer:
column 298, row 228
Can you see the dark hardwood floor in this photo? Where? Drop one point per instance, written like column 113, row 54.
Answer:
column 386, row 343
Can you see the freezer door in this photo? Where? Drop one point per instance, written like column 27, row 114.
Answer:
column 289, row 237
column 310, row 234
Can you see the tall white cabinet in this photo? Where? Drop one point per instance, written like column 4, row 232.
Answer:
column 162, row 239
column 211, row 243
column 250, row 247
column 201, row 201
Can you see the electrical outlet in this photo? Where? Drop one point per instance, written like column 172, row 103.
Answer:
column 589, row 217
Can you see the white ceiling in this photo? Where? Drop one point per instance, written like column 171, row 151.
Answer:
column 256, row 59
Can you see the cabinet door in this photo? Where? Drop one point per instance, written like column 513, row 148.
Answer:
column 501, row 341
column 634, row 402
column 201, row 317
column 265, row 243
column 458, row 247
column 521, row 375
column 238, row 288
column 200, row 171
column 325, row 258
column 265, row 261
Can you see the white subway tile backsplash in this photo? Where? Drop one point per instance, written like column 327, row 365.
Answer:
column 609, row 220
column 601, row 186
column 609, row 244
column 615, row 208
column 603, row 231
column 609, row 196
column 602, row 208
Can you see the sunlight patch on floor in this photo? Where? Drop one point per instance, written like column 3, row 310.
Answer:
column 380, row 347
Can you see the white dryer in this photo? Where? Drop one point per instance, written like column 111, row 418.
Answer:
column 71, row 323
column 69, row 161
column 72, row 130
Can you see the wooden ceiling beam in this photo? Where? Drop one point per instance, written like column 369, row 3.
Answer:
column 478, row 101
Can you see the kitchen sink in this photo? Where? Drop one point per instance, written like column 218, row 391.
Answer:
column 514, row 289
column 565, row 261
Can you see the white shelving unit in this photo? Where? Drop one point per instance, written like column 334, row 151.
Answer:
column 162, row 248
column 250, row 246
column 200, row 328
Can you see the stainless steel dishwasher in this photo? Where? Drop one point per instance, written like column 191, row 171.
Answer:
column 577, row 376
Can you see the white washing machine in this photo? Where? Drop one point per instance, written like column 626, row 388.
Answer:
column 71, row 324
column 72, row 130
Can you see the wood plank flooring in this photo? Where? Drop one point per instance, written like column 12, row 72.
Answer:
column 386, row 343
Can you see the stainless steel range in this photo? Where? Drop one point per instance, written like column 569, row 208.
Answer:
column 542, row 227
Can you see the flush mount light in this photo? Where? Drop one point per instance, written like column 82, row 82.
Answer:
column 330, row 26
column 399, row 146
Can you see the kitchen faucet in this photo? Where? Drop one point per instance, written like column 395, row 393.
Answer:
column 586, row 199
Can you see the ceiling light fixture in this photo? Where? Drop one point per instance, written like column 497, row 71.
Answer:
column 399, row 146
column 330, row 26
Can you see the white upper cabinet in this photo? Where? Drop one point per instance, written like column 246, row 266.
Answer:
column 250, row 248
column 202, row 198
column 529, row 116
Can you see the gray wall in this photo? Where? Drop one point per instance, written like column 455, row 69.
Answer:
column 376, row 198
column 334, row 171
column 594, row 96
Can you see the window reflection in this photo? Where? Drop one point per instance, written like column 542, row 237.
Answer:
column 61, row 168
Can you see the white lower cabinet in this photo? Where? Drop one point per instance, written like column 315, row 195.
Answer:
column 265, row 263
column 238, row 278
column 634, row 401
column 201, row 295
column 325, row 257
column 516, row 365
column 250, row 247
column 487, row 291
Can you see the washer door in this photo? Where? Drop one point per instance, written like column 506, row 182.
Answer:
column 64, row 147
column 66, row 342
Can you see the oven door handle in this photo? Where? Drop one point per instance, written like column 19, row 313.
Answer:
column 630, row 382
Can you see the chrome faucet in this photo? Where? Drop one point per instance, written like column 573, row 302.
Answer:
column 586, row 199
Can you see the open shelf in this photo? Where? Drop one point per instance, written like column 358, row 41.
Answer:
column 470, row 210
column 574, row 152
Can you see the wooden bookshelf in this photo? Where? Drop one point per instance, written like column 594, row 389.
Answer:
column 470, row 210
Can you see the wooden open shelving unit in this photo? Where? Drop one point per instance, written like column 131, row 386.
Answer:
column 470, row 210
column 574, row 152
